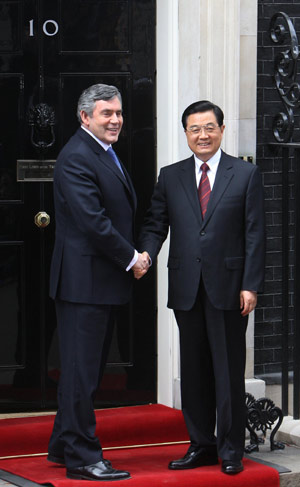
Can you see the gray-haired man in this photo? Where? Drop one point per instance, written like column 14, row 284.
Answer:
column 95, row 204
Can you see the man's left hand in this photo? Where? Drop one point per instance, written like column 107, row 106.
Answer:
column 248, row 300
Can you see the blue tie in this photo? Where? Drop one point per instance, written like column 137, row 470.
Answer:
column 114, row 157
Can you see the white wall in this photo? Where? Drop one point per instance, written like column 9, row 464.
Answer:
column 167, row 152
column 247, row 116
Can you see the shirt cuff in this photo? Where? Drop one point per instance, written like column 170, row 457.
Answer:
column 133, row 261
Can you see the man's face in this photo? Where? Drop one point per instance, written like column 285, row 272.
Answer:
column 208, row 134
column 106, row 121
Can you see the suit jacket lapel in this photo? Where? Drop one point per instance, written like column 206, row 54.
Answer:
column 108, row 162
column 188, row 179
column 129, row 184
column 223, row 178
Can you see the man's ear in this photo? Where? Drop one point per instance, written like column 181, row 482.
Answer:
column 84, row 118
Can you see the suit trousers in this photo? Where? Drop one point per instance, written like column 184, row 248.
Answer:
column 85, row 333
column 213, row 354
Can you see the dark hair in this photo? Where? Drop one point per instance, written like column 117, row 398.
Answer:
column 202, row 106
column 94, row 93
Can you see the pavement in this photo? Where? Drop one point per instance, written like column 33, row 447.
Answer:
column 19, row 482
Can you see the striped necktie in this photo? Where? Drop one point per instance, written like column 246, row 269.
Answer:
column 204, row 189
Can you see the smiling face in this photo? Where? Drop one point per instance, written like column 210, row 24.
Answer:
column 205, row 143
column 106, row 121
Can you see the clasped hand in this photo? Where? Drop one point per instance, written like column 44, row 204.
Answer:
column 142, row 265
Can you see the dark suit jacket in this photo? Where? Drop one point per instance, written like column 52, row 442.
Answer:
column 226, row 249
column 94, row 210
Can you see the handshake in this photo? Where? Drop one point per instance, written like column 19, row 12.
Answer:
column 142, row 265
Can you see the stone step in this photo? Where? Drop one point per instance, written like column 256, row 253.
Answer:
column 286, row 461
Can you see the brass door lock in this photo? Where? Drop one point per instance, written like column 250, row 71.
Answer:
column 42, row 219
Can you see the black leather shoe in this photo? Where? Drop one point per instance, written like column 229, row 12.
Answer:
column 231, row 468
column 194, row 459
column 98, row 471
column 61, row 461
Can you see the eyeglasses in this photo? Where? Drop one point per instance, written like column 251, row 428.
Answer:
column 207, row 129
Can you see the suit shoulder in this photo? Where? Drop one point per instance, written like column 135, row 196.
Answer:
column 240, row 164
column 175, row 166
column 76, row 146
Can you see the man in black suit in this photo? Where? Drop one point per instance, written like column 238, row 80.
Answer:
column 213, row 205
column 90, row 274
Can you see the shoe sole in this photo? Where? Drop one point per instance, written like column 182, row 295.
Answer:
column 233, row 473
column 206, row 464
column 85, row 477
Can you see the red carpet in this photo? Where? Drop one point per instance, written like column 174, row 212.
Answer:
column 140, row 425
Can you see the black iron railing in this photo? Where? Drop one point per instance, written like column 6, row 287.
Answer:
column 290, row 284
column 286, row 70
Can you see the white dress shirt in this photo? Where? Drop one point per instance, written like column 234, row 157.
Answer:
column 212, row 163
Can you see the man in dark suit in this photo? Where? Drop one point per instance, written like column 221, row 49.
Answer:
column 90, row 274
column 213, row 205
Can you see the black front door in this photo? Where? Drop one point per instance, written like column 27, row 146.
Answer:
column 49, row 52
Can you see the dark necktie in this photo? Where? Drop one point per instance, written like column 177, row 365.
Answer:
column 204, row 189
column 114, row 157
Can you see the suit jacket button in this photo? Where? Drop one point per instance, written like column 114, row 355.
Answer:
column 202, row 233
column 198, row 259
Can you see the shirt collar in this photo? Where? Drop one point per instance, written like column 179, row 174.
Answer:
column 103, row 144
column 213, row 162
